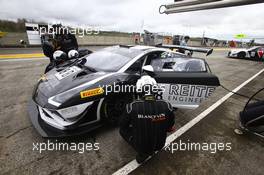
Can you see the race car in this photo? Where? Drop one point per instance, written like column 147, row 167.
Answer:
column 83, row 95
column 255, row 52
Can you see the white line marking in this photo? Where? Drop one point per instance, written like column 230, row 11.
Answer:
column 131, row 166
column 23, row 59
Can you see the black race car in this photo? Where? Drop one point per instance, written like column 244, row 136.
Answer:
column 79, row 96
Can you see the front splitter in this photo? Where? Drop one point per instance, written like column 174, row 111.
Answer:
column 48, row 131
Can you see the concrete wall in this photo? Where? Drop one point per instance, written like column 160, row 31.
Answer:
column 194, row 42
column 13, row 39
column 104, row 40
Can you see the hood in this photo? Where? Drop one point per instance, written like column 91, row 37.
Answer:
column 57, row 81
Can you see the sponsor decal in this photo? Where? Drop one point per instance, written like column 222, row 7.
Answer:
column 185, row 94
column 154, row 118
column 92, row 92
column 67, row 72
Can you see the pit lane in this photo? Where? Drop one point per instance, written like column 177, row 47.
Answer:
column 17, row 134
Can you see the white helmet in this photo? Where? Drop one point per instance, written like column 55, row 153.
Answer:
column 73, row 54
column 145, row 81
column 58, row 54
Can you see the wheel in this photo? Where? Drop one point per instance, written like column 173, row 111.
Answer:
column 241, row 55
column 114, row 106
column 257, row 57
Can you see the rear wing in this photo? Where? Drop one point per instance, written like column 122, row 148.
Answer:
column 208, row 51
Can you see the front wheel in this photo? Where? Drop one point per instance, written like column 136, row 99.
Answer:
column 241, row 55
column 114, row 106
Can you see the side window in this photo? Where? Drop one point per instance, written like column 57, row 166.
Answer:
column 136, row 66
column 174, row 62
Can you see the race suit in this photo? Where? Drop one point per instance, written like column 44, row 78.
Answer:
column 145, row 124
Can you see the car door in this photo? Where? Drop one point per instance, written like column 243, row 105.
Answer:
column 185, row 81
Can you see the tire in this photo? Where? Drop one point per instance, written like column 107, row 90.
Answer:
column 113, row 107
column 241, row 55
column 257, row 58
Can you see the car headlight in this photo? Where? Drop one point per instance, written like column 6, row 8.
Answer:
column 73, row 111
column 62, row 97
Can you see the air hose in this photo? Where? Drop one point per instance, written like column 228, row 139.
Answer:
column 242, row 95
column 236, row 93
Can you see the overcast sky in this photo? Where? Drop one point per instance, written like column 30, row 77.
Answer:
column 136, row 15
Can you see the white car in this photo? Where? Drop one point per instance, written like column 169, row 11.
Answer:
column 255, row 52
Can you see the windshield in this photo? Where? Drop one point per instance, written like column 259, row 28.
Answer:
column 111, row 59
column 106, row 61
column 253, row 48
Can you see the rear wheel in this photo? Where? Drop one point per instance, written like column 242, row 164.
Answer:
column 114, row 106
column 241, row 55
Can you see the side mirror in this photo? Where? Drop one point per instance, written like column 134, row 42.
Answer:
column 148, row 69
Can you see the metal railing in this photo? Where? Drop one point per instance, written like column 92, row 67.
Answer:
column 195, row 5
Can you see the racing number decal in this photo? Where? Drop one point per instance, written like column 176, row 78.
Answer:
column 67, row 72
column 159, row 96
column 92, row 92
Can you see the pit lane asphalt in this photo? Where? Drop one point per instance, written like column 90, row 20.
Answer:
column 17, row 134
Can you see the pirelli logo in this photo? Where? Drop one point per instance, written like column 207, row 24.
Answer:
column 92, row 92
